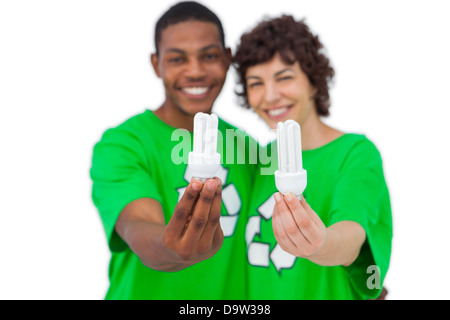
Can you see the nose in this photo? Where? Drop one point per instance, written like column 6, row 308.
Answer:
column 195, row 70
column 272, row 95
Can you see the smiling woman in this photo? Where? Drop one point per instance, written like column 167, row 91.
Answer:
column 342, row 224
column 297, row 45
column 277, row 91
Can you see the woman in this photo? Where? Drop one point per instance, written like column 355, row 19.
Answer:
column 335, row 243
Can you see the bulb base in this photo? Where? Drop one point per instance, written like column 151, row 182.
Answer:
column 291, row 182
column 203, row 166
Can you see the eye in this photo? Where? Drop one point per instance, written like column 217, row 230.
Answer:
column 210, row 57
column 285, row 78
column 176, row 60
column 255, row 84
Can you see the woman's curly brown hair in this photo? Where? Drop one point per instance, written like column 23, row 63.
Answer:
column 294, row 42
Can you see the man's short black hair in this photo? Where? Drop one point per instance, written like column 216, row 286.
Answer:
column 185, row 11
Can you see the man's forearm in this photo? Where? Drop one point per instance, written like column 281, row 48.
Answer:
column 145, row 240
column 193, row 233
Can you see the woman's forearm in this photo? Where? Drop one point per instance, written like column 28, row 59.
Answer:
column 342, row 245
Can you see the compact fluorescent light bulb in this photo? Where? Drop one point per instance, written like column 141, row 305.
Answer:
column 204, row 161
column 290, row 176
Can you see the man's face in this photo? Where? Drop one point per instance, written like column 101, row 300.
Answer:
column 193, row 65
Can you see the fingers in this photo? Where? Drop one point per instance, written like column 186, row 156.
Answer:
column 295, row 227
column 194, row 232
column 183, row 210
column 280, row 233
column 208, row 237
column 289, row 234
column 218, row 239
column 312, row 213
column 303, row 219
column 206, row 213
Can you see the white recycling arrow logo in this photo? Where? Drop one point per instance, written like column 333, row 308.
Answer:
column 258, row 253
column 230, row 199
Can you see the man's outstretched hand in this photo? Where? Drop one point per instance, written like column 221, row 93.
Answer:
column 192, row 234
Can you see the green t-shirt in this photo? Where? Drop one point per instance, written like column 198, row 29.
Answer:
column 145, row 157
column 345, row 182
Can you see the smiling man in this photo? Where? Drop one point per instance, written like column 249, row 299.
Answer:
column 167, row 235
column 192, row 62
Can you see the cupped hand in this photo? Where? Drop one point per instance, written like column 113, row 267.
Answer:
column 193, row 233
column 297, row 228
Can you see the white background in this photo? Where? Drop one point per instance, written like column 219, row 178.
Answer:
column 71, row 69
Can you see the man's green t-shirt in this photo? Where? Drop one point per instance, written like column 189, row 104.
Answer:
column 145, row 157
column 345, row 181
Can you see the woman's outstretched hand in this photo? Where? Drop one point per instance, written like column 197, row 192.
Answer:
column 300, row 232
column 297, row 228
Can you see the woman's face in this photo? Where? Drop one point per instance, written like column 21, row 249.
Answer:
column 278, row 92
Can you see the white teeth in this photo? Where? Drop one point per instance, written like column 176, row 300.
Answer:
column 196, row 90
column 276, row 112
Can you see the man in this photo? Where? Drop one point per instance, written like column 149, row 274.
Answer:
column 165, row 237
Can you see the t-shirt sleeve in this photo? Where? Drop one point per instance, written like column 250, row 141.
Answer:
column 120, row 175
column 361, row 195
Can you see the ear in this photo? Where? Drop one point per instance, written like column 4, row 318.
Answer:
column 313, row 92
column 228, row 57
column 155, row 60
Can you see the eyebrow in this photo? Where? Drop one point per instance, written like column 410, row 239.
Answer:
column 283, row 71
column 276, row 74
column 211, row 46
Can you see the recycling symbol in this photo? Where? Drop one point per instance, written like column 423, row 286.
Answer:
column 230, row 200
column 258, row 253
